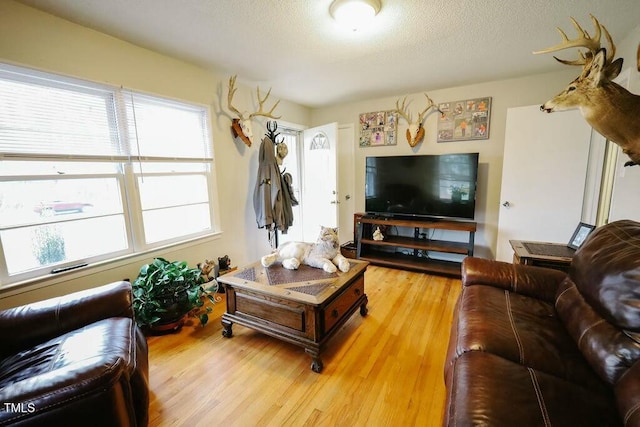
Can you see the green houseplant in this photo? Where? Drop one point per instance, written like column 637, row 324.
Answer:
column 165, row 292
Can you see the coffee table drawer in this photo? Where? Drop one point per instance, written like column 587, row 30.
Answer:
column 276, row 312
column 341, row 305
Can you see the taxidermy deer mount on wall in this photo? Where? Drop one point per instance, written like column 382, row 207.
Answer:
column 241, row 126
column 610, row 109
column 415, row 132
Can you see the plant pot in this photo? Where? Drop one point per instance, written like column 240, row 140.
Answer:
column 174, row 304
column 170, row 327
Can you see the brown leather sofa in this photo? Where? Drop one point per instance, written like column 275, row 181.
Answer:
column 78, row 360
column 531, row 346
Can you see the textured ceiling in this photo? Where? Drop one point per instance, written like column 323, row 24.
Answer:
column 295, row 47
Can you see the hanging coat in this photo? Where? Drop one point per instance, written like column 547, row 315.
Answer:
column 288, row 201
column 268, row 197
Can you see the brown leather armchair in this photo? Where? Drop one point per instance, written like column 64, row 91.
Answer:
column 79, row 359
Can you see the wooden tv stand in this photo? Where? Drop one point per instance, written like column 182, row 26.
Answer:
column 412, row 252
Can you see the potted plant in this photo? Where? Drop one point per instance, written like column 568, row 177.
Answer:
column 165, row 292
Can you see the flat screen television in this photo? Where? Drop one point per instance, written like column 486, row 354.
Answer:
column 431, row 186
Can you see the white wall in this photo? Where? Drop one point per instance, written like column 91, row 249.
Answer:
column 505, row 94
column 32, row 38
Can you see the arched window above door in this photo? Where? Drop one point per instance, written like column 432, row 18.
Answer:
column 319, row 142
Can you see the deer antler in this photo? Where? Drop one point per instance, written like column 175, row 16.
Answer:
column 402, row 110
column 261, row 102
column 415, row 131
column 430, row 105
column 583, row 40
column 232, row 91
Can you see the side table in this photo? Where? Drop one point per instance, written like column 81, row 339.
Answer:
column 521, row 255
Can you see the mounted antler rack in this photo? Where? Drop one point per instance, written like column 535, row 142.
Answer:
column 241, row 125
column 415, row 132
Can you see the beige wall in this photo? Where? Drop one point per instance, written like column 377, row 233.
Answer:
column 35, row 39
column 531, row 90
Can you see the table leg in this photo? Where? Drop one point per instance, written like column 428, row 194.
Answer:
column 227, row 330
column 363, row 307
column 316, row 362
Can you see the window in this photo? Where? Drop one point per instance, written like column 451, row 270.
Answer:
column 291, row 164
column 90, row 172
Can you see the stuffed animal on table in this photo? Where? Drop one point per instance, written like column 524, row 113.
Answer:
column 324, row 253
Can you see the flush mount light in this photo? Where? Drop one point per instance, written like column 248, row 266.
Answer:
column 354, row 14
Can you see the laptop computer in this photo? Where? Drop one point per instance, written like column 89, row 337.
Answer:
column 580, row 234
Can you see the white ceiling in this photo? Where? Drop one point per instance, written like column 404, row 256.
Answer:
column 295, row 47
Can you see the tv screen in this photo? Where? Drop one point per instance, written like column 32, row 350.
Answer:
column 440, row 186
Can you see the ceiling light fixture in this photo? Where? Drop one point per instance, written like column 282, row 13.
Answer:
column 354, row 14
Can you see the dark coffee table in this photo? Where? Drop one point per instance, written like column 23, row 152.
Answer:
column 304, row 307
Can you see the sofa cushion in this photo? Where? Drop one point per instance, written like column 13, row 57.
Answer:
column 95, row 363
column 519, row 328
column 600, row 301
column 606, row 270
column 485, row 389
column 607, row 348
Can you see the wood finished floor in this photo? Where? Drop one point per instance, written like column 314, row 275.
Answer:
column 385, row 369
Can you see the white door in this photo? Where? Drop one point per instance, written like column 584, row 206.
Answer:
column 543, row 176
column 319, row 186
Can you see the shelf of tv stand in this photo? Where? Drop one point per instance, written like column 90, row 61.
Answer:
column 374, row 250
column 409, row 262
column 421, row 244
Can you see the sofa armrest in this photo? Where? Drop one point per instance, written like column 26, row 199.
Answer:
column 538, row 282
column 628, row 396
column 23, row 326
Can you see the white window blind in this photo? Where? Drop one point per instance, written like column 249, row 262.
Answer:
column 42, row 117
column 165, row 129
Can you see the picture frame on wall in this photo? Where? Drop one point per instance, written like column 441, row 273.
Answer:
column 464, row 120
column 378, row 128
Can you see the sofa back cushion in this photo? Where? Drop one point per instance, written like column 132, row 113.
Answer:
column 606, row 270
column 599, row 302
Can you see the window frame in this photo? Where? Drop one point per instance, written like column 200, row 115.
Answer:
column 124, row 174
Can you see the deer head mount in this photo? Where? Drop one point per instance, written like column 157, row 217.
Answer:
column 415, row 132
column 609, row 108
column 241, row 125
